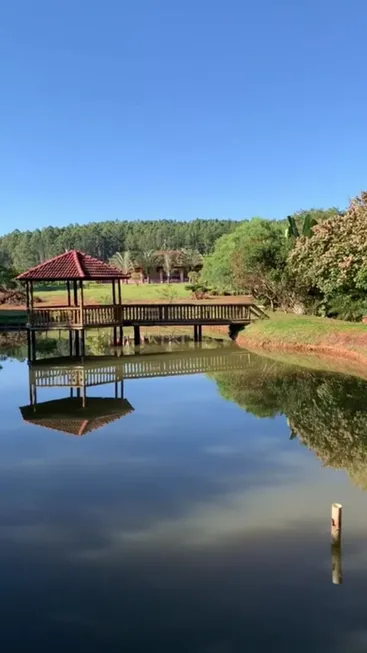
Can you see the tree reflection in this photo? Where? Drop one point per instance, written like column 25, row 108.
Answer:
column 326, row 411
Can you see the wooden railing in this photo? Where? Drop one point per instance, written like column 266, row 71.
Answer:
column 145, row 315
column 58, row 318
column 136, row 367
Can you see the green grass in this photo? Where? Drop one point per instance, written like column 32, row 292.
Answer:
column 101, row 293
column 292, row 330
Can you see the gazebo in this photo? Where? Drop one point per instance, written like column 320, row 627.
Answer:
column 74, row 268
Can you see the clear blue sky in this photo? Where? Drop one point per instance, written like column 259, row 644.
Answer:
column 179, row 108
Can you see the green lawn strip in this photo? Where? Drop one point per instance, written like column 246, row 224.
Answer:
column 286, row 329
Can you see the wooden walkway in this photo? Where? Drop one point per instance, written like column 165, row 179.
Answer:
column 65, row 373
column 114, row 315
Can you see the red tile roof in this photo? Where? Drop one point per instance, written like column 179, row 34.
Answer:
column 72, row 265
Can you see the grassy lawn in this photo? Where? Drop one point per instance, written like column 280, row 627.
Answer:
column 99, row 293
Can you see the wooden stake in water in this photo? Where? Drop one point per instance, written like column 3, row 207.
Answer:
column 336, row 531
column 336, row 522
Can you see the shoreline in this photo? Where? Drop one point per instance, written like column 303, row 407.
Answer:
column 304, row 339
column 323, row 350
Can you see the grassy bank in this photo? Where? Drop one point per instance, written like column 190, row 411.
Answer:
column 308, row 334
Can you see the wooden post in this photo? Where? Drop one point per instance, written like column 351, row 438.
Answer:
column 121, row 330
column 76, row 340
column 195, row 332
column 82, row 342
column 336, row 563
column 122, row 388
column 30, row 381
column 137, row 335
column 32, row 301
column 200, row 332
column 69, row 295
column 28, row 302
column 33, row 346
column 29, row 345
column 70, row 342
column 75, row 293
column 116, row 390
column 114, row 303
column 81, row 303
column 34, row 394
column 336, row 522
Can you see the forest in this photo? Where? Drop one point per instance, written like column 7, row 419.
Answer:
column 23, row 249
column 312, row 262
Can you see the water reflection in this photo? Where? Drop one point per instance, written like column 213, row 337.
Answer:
column 326, row 411
column 193, row 524
column 79, row 414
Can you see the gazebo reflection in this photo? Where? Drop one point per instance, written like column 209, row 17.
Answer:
column 77, row 414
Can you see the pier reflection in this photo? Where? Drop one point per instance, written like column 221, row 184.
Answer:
column 79, row 413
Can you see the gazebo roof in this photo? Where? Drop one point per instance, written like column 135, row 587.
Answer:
column 72, row 265
column 68, row 415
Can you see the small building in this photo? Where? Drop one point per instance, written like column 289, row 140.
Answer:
column 158, row 274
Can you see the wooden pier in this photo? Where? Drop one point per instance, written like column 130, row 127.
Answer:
column 115, row 315
column 75, row 268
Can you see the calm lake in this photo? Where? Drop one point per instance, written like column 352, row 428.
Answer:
column 190, row 516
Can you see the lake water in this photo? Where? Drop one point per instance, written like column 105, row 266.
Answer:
column 193, row 516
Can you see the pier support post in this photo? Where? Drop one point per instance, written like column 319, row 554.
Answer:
column 196, row 334
column 82, row 342
column 33, row 346
column 137, row 335
column 29, row 345
column 121, row 335
column 77, row 342
column 70, row 342
column 200, row 332
column 114, row 336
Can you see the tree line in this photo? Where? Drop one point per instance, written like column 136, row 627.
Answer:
column 23, row 249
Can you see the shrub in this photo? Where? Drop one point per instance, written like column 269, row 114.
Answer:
column 347, row 307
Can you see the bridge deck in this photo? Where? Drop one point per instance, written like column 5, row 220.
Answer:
column 82, row 317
